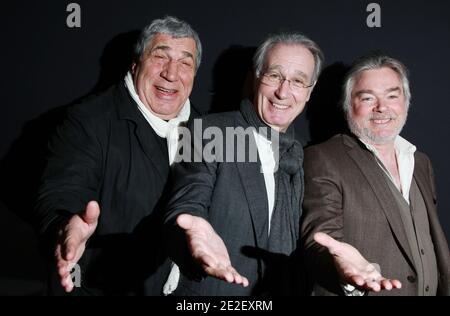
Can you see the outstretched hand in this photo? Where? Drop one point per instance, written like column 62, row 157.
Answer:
column 208, row 249
column 353, row 268
column 72, row 242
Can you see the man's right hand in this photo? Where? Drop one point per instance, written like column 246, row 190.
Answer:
column 208, row 249
column 72, row 240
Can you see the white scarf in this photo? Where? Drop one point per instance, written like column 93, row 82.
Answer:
column 169, row 131
column 164, row 129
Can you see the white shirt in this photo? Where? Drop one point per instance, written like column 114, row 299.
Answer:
column 267, row 158
column 404, row 151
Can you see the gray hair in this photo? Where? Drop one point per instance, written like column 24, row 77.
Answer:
column 372, row 62
column 172, row 26
column 293, row 38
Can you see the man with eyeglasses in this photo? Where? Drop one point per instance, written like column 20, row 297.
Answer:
column 245, row 215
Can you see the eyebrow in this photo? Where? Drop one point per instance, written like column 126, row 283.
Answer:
column 166, row 48
column 358, row 93
column 279, row 68
column 393, row 89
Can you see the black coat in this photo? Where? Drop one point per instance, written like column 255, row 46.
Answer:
column 106, row 151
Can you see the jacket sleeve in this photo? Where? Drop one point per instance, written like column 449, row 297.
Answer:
column 192, row 185
column 322, row 212
column 72, row 174
column 438, row 235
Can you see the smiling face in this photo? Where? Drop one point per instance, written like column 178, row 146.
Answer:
column 378, row 109
column 279, row 105
column 164, row 75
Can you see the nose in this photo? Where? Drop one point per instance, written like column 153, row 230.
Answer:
column 282, row 92
column 380, row 105
column 170, row 71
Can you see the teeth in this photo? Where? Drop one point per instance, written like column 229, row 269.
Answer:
column 279, row 106
column 381, row 121
column 165, row 90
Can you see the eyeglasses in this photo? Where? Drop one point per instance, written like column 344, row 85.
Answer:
column 275, row 79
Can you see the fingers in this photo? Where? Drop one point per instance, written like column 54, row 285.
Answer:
column 327, row 241
column 396, row 284
column 185, row 221
column 66, row 282
column 63, row 268
column 357, row 281
column 72, row 241
column 228, row 274
column 386, row 285
column 209, row 250
column 375, row 285
column 237, row 278
column 369, row 284
column 222, row 272
column 92, row 212
column 68, row 249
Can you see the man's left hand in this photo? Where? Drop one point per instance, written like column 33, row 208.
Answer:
column 353, row 268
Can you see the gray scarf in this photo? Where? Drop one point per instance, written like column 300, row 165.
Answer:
column 285, row 222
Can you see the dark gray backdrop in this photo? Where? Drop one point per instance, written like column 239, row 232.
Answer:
column 46, row 65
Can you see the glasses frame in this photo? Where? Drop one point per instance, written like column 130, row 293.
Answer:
column 282, row 79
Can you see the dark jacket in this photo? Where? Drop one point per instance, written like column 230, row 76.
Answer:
column 106, row 151
column 232, row 197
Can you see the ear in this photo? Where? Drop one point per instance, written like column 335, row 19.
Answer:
column 133, row 67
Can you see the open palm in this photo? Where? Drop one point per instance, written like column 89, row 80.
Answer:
column 353, row 268
column 209, row 250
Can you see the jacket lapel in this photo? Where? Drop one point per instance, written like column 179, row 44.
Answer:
column 154, row 147
column 424, row 186
column 252, row 180
column 368, row 166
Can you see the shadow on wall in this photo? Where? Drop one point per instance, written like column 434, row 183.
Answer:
column 116, row 60
column 232, row 78
column 20, row 172
column 324, row 113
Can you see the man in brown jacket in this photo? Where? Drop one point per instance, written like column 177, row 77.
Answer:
column 374, row 191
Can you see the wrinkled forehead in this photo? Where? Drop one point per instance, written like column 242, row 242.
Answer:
column 377, row 79
column 292, row 59
column 183, row 45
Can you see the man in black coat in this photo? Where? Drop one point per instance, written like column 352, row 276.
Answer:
column 101, row 196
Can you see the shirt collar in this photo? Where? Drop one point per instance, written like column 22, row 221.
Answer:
column 160, row 126
column 401, row 146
